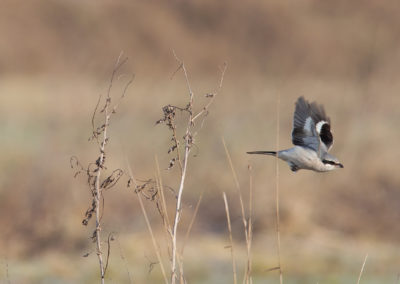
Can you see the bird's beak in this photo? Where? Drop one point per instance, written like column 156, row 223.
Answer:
column 340, row 165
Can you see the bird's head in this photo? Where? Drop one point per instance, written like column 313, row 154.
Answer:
column 331, row 162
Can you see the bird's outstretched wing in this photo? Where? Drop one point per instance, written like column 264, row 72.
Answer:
column 311, row 127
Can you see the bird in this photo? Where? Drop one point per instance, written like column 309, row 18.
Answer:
column 312, row 139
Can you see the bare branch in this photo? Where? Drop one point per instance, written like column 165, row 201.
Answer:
column 212, row 95
column 182, row 66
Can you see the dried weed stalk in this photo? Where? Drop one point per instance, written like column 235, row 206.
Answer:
column 182, row 159
column 228, row 218
column 95, row 171
column 362, row 269
column 180, row 149
column 153, row 189
column 278, row 230
column 247, row 221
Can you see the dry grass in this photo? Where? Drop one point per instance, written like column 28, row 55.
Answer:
column 228, row 218
column 343, row 55
column 362, row 269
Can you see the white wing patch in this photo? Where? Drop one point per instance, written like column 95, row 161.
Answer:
column 308, row 125
column 319, row 125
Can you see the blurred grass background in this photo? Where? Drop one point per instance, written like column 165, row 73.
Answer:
column 56, row 58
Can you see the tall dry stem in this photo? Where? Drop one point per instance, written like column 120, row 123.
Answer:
column 148, row 224
column 95, row 171
column 247, row 224
column 183, row 159
column 249, row 230
column 228, row 218
column 188, row 144
column 362, row 269
column 278, row 233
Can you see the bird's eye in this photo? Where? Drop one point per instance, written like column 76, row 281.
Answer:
column 329, row 162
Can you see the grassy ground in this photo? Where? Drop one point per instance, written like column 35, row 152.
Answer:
column 310, row 259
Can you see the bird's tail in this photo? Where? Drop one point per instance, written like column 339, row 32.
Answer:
column 272, row 153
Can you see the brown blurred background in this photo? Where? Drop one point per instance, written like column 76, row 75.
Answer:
column 56, row 58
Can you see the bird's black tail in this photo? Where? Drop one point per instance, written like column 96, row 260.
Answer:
column 272, row 153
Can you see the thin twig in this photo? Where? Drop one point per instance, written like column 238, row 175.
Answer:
column 118, row 65
column 163, row 207
column 188, row 142
column 249, row 229
column 98, row 186
column 94, row 133
column 121, row 253
column 181, row 272
column 191, row 222
column 124, row 92
column 272, row 269
column 155, row 245
column 178, row 148
column 182, row 66
column 230, row 238
column 98, row 189
column 7, row 272
column 164, row 204
column 237, row 188
column 205, row 109
column 109, row 239
column 362, row 268
column 278, row 234
column 153, row 239
column 183, row 158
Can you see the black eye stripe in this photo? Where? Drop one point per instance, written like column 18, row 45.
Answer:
column 329, row 162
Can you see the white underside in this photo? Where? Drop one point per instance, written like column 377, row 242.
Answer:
column 304, row 158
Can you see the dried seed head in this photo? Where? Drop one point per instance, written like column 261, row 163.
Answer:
column 171, row 163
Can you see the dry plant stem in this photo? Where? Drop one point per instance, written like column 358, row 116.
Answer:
column 7, row 273
column 121, row 253
column 250, row 229
column 362, row 269
column 178, row 155
column 230, row 238
column 155, row 245
column 153, row 239
column 278, row 234
column 98, row 188
column 180, row 263
column 164, row 204
column 191, row 223
column 178, row 211
column 96, row 170
column 188, row 138
column 221, row 80
column 183, row 174
column 238, row 190
column 98, row 198
column 247, row 225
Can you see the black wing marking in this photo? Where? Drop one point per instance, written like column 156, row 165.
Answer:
column 326, row 135
column 311, row 126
